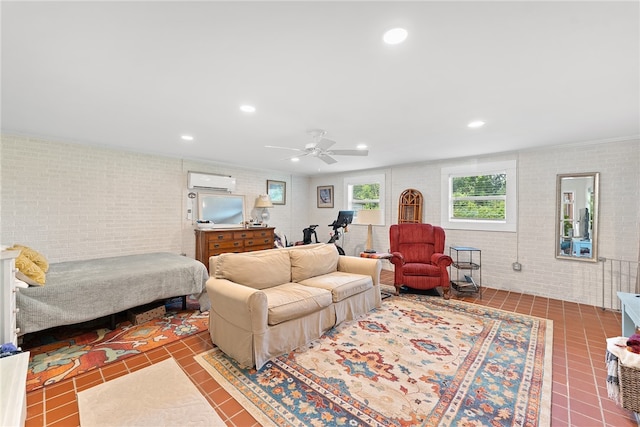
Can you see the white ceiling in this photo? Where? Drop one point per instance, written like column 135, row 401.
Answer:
column 138, row 75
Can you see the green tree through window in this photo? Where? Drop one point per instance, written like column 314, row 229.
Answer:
column 481, row 197
column 367, row 196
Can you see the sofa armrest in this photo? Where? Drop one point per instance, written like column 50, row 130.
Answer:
column 213, row 261
column 367, row 266
column 240, row 305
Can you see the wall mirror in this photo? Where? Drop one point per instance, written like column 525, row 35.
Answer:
column 577, row 216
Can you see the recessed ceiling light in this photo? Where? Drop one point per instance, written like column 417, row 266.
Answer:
column 248, row 108
column 476, row 124
column 295, row 159
column 395, row 36
column 361, row 146
column 186, row 138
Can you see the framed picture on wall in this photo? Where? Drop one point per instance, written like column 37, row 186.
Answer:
column 325, row 196
column 277, row 191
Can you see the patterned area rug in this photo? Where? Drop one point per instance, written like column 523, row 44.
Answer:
column 417, row 361
column 62, row 359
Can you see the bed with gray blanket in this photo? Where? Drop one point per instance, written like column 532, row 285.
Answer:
column 78, row 291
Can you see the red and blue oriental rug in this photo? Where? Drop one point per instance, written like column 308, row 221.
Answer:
column 61, row 359
column 417, row 361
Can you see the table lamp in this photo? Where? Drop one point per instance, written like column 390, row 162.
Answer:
column 369, row 217
column 263, row 202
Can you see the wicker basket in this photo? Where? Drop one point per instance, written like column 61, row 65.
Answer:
column 629, row 379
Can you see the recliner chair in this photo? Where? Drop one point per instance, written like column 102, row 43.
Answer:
column 417, row 254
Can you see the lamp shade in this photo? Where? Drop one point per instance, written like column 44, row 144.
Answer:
column 369, row 217
column 263, row 201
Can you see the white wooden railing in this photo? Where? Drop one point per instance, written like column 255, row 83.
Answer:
column 618, row 275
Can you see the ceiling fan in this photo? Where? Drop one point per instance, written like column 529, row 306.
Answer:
column 320, row 148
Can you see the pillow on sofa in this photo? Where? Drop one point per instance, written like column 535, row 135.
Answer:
column 36, row 257
column 259, row 270
column 28, row 271
column 313, row 261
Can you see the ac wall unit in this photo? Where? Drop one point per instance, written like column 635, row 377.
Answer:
column 205, row 181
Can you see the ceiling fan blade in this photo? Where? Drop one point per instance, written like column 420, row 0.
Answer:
column 349, row 152
column 324, row 143
column 283, row 148
column 327, row 159
column 297, row 156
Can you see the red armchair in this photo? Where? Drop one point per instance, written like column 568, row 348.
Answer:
column 417, row 254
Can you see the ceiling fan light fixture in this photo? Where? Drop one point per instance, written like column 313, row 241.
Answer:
column 320, row 148
column 317, row 133
column 395, row 36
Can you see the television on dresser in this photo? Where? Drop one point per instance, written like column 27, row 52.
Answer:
column 220, row 210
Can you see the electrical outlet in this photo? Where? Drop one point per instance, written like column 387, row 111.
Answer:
column 516, row 266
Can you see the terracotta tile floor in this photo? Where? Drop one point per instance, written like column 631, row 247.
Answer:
column 579, row 391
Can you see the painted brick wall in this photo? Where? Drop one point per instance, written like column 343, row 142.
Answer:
column 74, row 201
column 251, row 183
column 533, row 245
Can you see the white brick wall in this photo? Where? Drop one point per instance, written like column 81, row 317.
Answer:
column 251, row 183
column 73, row 202
column 533, row 244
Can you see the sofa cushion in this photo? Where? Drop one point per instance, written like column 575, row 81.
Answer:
column 341, row 285
column 314, row 261
column 420, row 269
column 259, row 270
column 292, row 301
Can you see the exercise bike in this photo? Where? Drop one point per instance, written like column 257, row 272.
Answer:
column 344, row 219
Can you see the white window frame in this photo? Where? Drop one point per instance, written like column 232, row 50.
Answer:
column 365, row 179
column 509, row 224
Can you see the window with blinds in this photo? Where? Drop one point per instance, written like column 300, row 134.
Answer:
column 482, row 197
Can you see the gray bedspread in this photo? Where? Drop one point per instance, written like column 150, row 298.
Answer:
column 78, row 291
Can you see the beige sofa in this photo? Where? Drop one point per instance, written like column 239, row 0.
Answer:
column 267, row 303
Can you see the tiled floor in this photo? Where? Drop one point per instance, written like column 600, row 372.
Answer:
column 579, row 391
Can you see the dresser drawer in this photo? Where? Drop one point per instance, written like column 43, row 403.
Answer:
column 263, row 233
column 261, row 247
column 220, row 251
column 219, row 236
column 224, row 244
column 252, row 243
column 244, row 234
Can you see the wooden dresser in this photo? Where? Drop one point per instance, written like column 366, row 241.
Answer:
column 219, row 241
